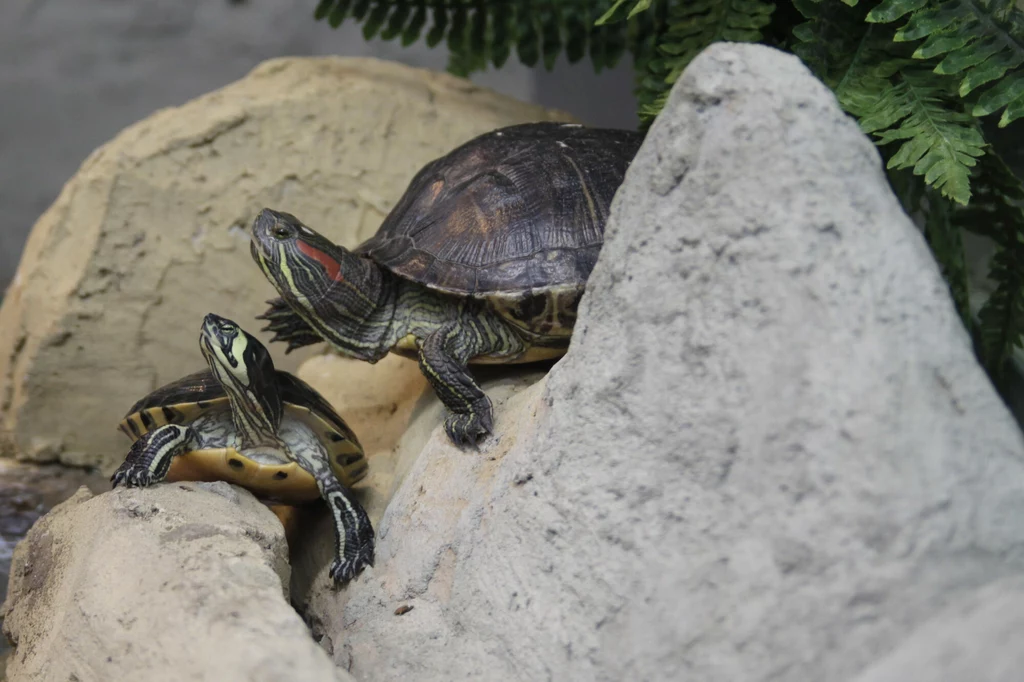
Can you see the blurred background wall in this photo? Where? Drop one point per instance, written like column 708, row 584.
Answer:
column 73, row 73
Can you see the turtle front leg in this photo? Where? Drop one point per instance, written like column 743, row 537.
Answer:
column 288, row 326
column 150, row 456
column 353, row 532
column 444, row 360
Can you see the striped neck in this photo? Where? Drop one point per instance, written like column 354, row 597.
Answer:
column 357, row 326
column 250, row 382
column 252, row 423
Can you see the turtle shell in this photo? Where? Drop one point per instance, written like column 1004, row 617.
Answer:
column 517, row 210
column 184, row 400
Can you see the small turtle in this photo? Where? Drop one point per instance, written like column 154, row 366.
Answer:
column 244, row 422
column 482, row 260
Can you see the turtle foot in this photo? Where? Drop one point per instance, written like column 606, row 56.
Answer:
column 467, row 428
column 132, row 476
column 287, row 326
column 344, row 569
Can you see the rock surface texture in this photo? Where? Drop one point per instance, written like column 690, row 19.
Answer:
column 185, row 581
column 768, row 455
column 151, row 233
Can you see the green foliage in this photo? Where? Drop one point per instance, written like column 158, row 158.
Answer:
column 897, row 99
column 689, row 28
column 940, row 142
column 479, row 34
column 918, row 75
column 980, row 41
column 944, row 235
column 997, row 213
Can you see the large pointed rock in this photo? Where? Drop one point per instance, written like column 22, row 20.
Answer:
column 768, row 455
column 150, row 234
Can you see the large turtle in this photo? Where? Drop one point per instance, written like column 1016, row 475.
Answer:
column 245, row 422
column 482, row 260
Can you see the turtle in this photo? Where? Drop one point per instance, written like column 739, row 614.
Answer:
column 482, row 260
column 245, row 422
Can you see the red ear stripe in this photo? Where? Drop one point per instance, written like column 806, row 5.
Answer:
column 330, row 265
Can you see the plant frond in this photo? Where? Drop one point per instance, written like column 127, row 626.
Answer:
column 979, row 41
column 934, row 215
column 478, row 33
column 689, row 28
column 1001, row 319
column 895, row 98
column 936, row 138
column 844, row 52
column 997, row 212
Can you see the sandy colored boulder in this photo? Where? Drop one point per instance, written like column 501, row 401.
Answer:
column 183, row 581
column 150, row 234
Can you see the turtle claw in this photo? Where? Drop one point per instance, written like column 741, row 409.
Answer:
column 468, row 428
column 131, row 476
column 344, row 569
column 287, row 326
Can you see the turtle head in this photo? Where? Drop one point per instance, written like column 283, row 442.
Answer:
column 246, row 371
column 332, row 289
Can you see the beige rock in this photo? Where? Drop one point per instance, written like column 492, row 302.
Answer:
column 182, row 581
column 404, row 438
column 151, row 233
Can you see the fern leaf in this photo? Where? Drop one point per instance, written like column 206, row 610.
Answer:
column 997, row 212
column 397, row 21
column 621, row 10
column 439, row 26
column 551, row 35
column 939, row 141
column 360, row 8
column 338, row 12
column 1001, row 319
column 323, row 9
column 577, row 28
column 528, row 47
column 983, row 40
column 477, row 32
column 691, row 27
column 895, row 97
column 503, row 33
column 944, row 235
column 375, row 20
column 411, row 32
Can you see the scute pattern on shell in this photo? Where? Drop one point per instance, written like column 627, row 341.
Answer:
column 195, row 387
column 518, row 209
column 187, row 398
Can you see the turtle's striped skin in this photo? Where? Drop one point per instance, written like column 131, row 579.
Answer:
column 245, row 422
column 185, row 400
column 482, row 260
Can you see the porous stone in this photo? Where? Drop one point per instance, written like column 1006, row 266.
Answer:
column 180, row 581
column 769, row 453
column 401, row 417
column 150, row 234
column 976, row 637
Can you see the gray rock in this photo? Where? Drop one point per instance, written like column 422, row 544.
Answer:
column 175, row 582
column 769, row 453
column 977, row 637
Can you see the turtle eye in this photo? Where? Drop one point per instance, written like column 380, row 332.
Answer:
column 282, row 231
